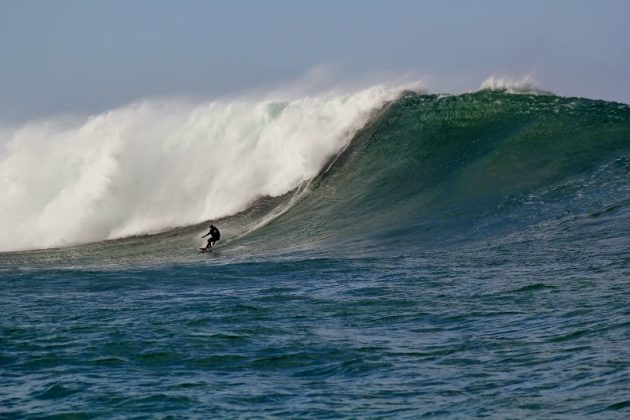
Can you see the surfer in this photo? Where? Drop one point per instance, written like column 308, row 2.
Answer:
column 215, row 235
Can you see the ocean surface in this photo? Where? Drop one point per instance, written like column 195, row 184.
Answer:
column 401, row 255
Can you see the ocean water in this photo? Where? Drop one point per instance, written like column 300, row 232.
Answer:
column 410, row 256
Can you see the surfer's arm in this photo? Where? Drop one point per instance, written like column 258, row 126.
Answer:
column 206, row 235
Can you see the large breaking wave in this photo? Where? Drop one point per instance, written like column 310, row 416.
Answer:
column 379, row 167
column 155, row 165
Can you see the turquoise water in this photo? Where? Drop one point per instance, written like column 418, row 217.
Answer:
column 465, row 256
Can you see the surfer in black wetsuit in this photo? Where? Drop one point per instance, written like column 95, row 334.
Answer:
column 215, row 235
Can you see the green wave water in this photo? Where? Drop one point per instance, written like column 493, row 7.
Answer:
column 436, row 170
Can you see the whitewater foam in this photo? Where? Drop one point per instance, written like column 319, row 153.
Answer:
column 526, row 84
column 155, row 165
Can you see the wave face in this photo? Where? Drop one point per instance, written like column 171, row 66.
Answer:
column 154, row 166
column 436, row 170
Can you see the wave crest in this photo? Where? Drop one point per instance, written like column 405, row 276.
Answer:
column 527, row 84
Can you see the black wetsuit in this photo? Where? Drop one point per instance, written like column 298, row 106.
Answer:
column 215, row 235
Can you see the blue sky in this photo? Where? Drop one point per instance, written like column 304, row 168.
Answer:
column 82, row 56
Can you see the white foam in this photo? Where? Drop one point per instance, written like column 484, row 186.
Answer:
column 526, row 84
column 154, row 165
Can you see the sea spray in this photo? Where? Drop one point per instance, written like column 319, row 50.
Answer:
column 526, row 84
column 154, row 165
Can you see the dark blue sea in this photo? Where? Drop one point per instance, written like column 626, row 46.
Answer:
column 464, row 256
